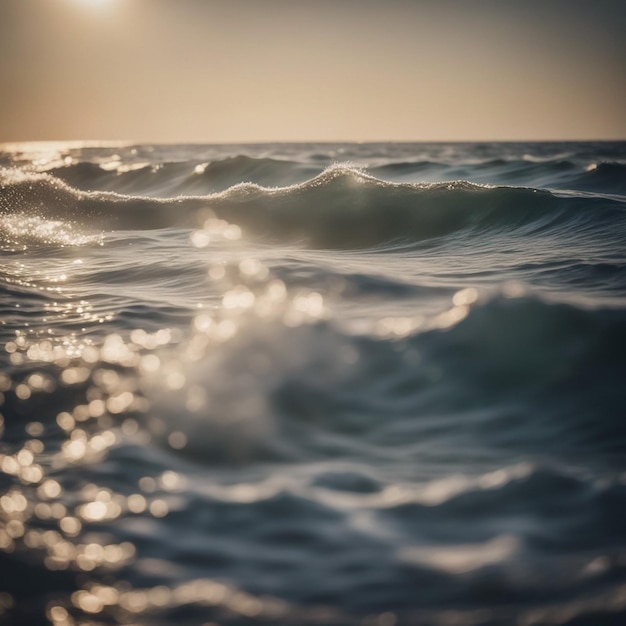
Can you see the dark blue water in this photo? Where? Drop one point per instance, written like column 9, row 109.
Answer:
column 374, row 384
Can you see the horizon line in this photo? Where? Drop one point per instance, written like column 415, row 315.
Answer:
column 132, row 142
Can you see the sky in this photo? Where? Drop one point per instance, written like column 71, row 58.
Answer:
column 216, row 71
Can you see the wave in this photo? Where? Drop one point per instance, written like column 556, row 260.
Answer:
column 519, row 374
column 340, row 208
column 139, row 179
column 422, row 428
column 513, row 164
column 224, row 173
column 47, row 197
column 604, row 177
column 559, row 359
column 175, row 178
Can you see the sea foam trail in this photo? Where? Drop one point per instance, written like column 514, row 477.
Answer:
column 340, row 208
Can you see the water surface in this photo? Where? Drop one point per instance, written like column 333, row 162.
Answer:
column 374, row 384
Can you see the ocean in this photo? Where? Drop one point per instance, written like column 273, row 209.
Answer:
column 303, row 384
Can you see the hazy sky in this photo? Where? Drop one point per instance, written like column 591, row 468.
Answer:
column 321, row 70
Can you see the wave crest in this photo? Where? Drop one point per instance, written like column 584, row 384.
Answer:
column 340, row 208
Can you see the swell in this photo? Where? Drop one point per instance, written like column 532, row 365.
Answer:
column 509, row 539
column 515, row 375
column 183, row 177
column 340, row 208
column 45, row 196
column 607, row 177
column 191, row 178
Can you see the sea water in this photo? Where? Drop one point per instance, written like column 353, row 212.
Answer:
column 374, row 384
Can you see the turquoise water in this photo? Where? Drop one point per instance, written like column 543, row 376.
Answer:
column 376, row 384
